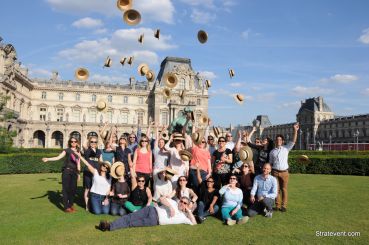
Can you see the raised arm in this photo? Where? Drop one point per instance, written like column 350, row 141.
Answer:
column 133, row 177
column 89, row 166
column 296, row 128
column 198, row 174
column 149, row 196
column 60, row 156
column 238, row 143
column 250, row 134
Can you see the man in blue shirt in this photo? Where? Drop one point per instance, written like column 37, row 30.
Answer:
column 265, row 190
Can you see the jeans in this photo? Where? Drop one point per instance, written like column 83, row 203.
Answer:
column 192, row 178
column 96, row 204
column 258, row 207
column 69, row 184
column 146, row 216
column 226, row 213
column 117, row 209
column 201, row 207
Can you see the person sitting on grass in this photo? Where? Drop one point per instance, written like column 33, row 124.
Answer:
column 232, row 202
column 100, row 190
column 265, row 189
column 208, row 198
column 162, row 185
column 182, row 190
column 169, row 213
column 120, row 190
column 70, row 173
column 140, row 195
column 246, row 180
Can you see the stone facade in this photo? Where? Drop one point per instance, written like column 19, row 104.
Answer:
column 48, row 112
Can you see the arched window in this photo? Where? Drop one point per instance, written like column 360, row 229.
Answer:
column 110, row 98
column 61, row 96
column 78, row 97
column 43, row 95
column 94, row 98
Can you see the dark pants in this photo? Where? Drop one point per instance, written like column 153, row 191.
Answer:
column 69, row 184
column 203, row 210
column 258, row 207
column 221, row 179
column 147, row 216
column 192, row 179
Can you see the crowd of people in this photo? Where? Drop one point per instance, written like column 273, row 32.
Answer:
column 152, row 179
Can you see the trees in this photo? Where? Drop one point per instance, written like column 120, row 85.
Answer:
column 6, row 136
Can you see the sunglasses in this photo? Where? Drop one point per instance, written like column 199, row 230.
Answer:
column 233, row 178
column 203, row 141
column 132, row 137
column 182, row 180
column 183, row 202
column 221, row 141
column 229, row 136
column 93, row 142
column 209, row 181
column 210, row 139
column 245, row 166
column 141, row 180
column 73, row 141
column 144, row 141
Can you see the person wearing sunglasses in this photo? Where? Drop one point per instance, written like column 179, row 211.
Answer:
column 140, row 195
column 161, row 156
column 70, row 172
column 175, row 161
column 222, row 159
column 229, row 141
column 123, row 154
column 142, row 160
column 93, row 155
column 265, row 190
column 170, row 213
column 246, row 181
column 183, row 191
column 232, row 203
column 208, row 198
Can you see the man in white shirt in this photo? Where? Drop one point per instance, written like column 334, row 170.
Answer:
column 278, row 157
column 169, row 213
column 229, row 141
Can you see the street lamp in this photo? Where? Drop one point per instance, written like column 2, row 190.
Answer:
column 300, row 139
column 330, row 142
column 356, row 134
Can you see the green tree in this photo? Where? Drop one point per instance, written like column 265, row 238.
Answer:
column 6, row 136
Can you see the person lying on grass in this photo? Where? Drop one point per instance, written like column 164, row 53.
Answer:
column 169, row 213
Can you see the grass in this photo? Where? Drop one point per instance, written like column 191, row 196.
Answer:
column 31, row 213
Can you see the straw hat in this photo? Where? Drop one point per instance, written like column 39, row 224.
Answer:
column 117, row 170
column 170, row 172
column 130, row 60
column 202, row 36
column 303, row 159
column 157, row 33
column 141, row 38
column 142, row 69
column 165, row 135
column 185, row 155
column 150, row 75
column 216, row 131
column 207, row 83
column 231, row 73
column 123, row 60
column 239, row 98
column 245, row 154
column 108, row 62
column 197, row 137
column 178, row 136
column 102, row 105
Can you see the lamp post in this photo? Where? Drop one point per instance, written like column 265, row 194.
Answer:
column 307, row 139
column 300, row 139
column 356, row 134
column 330, row 142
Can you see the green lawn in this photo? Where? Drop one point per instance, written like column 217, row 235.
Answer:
column 31, row 213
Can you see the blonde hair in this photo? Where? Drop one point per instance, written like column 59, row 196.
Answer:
column 148, row 143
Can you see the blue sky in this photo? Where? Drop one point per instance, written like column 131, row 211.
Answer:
column 282, row 51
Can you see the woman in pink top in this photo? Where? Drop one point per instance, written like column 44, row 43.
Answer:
column 201, row 157
column 142, row 160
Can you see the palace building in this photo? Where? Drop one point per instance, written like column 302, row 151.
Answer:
column 47, row 112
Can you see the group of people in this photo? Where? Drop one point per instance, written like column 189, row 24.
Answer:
column 158, row 181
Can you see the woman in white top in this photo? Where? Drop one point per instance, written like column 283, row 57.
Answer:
column 180, row 166
column 100, row 189
column 183, row 191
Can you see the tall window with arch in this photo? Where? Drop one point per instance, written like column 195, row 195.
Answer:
column 42, row 114
column 93, row 98
column 124, row 116
column 61, row 96
column 182, row 84
column 125, row 99
column 140, row 116
column 78, row 96
column 198, row 102
column 59, row 114
column 43, row 95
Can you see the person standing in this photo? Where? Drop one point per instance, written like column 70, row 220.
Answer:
column 278, row 157
column 70, row 173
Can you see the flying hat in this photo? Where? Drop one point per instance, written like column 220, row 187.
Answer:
column 202, row 36
column 170, row 80
column 245, row 154
column 117, row 170
column 182, row 93
column 124, row 4
column 108, row 62
column 130, row 60
column 207, row 83
column 150, row 75
column 132, row 17
column 157, row 33
column 81, row 74
column 164, row 134
column 216, row 131
column 303, row 159
column 239, row 98
column 178, row 136
column 197, row 137
column 142, row 69
column 231, row 73
column 102, row 105
column 170, row 172
column 123, row 60
column 185, row 155
column 141, row 38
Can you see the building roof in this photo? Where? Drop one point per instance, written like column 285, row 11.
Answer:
column 312, row 104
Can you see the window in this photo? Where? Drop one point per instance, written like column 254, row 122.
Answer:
column 198, row 102
column 93, row 98
column 110, row 116
column 110, row 98
column 42, row 114
column 164, row 118
column 78, row 97
column 140, row 117
column 140, row 100
column 76, row 114
column 92, row 114
column 125, row 99
column 182, row 84
column 124, row 117
column 61, row 96
column 43, row 95
column 59, row 114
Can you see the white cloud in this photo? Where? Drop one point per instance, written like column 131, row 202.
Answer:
column 292, row 105
column 207, row 74
column 108, row 79
column 311, row 91
column 236, row 85
column 246, row 34
column 88, row 23
column 122, row 43
column 39, row 73
column 205, row 3
column 158, row 10
column 366, row 92
column 340, row 78
column 364, row 38
column 229, row 3
column 202, row 17
column 101, row 31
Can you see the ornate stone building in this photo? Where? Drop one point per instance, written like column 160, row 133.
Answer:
column 48, row 112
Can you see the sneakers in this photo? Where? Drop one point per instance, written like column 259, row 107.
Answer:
column 199, row 219
column 283, row 209
column 269, row 214
column 243, row 220
column 231, row 222
column 104, row 225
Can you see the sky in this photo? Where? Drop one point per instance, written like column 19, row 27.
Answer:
column 282, row 52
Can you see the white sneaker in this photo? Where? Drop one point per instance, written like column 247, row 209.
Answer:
column 269, row 214
column 243, row 220
column 231, row 222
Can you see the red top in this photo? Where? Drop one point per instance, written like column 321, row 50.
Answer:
column 201, row 156
column 143, row 162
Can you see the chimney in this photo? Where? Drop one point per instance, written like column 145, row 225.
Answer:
column 320, row 98
column 132, row 82
column 54, row 75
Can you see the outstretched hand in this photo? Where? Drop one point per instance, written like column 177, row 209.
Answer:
column 296, row 126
